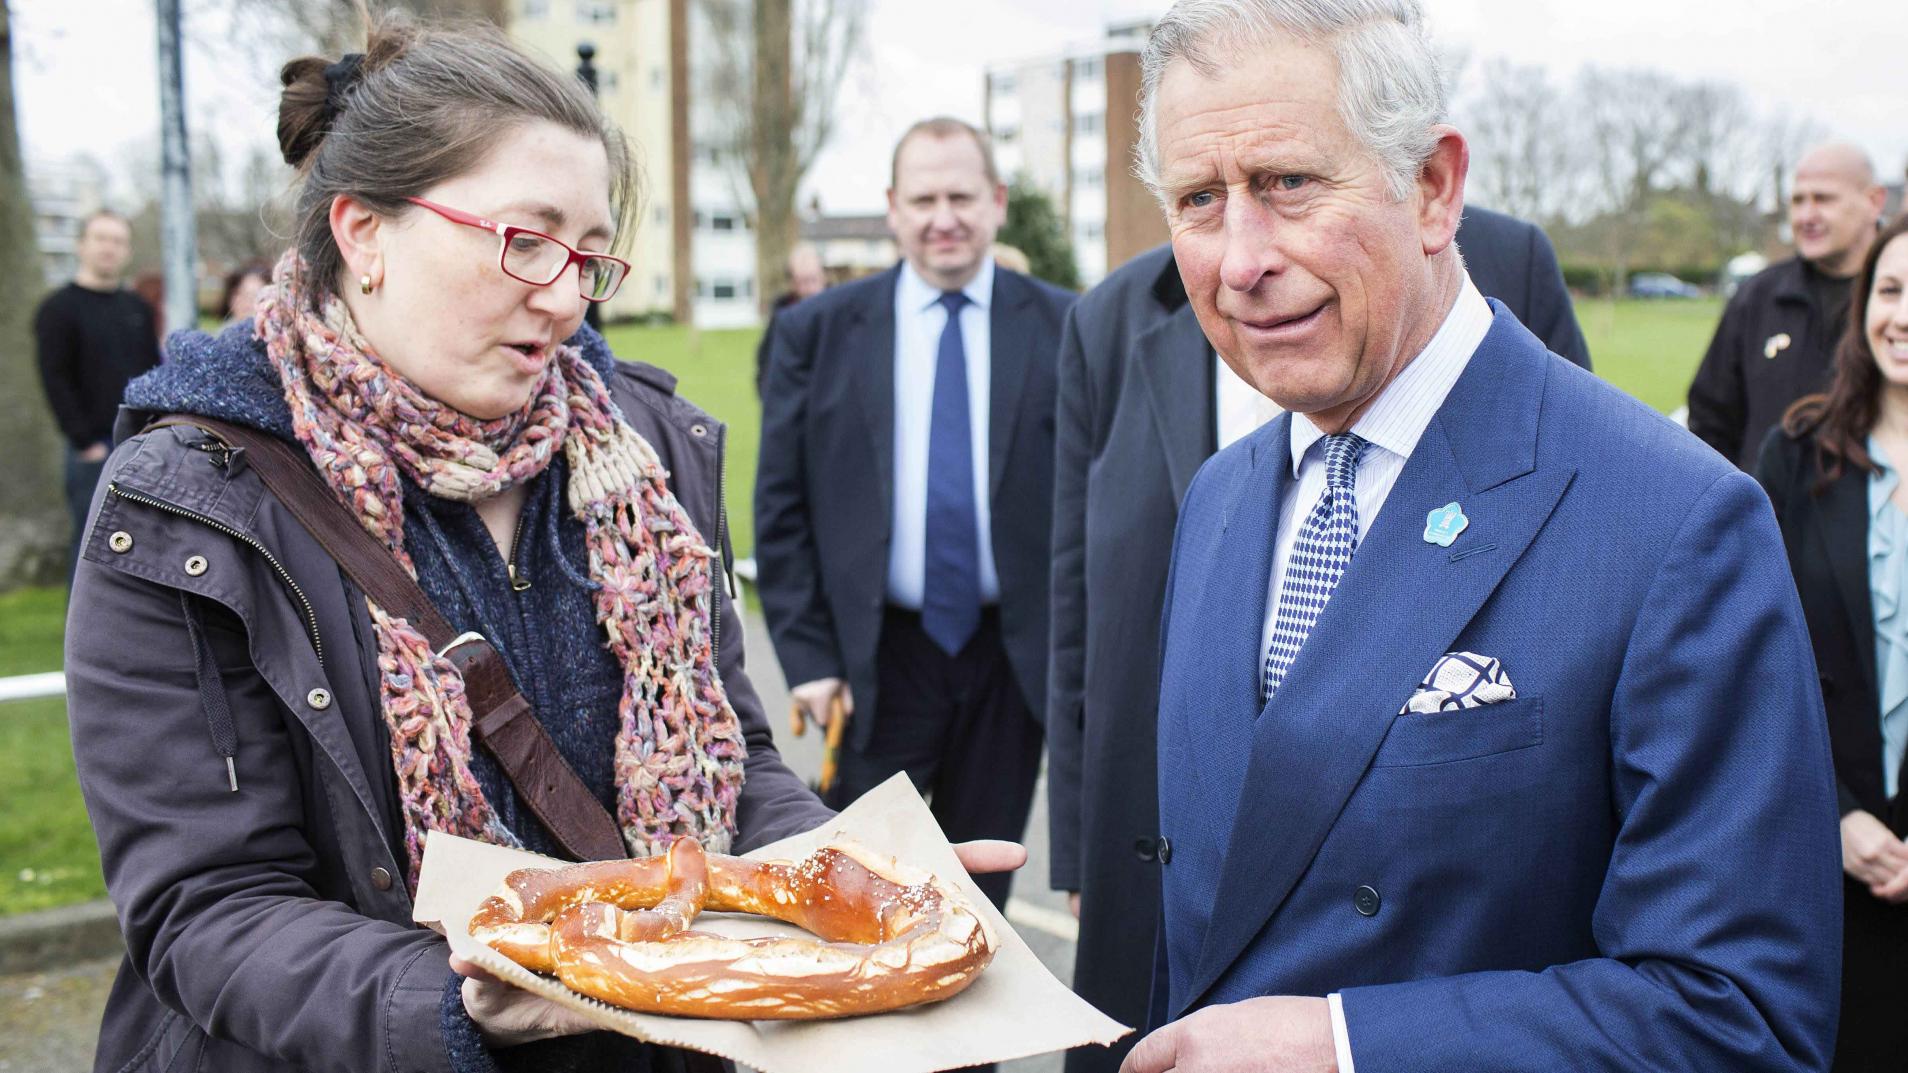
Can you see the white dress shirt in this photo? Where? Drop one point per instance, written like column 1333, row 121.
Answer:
column 919, row 319
column 1392, row 426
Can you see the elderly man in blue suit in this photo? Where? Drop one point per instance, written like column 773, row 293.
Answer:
column 1489, row 735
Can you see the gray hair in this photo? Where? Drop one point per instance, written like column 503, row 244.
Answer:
column 1390, row 95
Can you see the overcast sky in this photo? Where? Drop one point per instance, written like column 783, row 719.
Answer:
column 86, row 81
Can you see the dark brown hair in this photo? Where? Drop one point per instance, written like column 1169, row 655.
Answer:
column 424, row 103
column 946, row 127
column 239, row 275
column 1841, row 419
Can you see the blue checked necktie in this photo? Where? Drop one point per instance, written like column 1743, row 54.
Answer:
column 950, row 589
column 1324, row 549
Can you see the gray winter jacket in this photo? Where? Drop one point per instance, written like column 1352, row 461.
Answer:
column 269, row 929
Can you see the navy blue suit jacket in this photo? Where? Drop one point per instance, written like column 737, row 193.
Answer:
column 824, row 484
column 1634, row 865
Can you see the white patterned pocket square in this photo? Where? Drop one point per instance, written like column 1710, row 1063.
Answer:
column 1461, row 680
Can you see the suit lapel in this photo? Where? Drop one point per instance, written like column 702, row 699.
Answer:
column 1400, row 605
column 868, row 347
column 1175, row 361
column 1007, row 372
column 1841, row 527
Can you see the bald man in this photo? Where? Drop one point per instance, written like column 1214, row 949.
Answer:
column 1777, row 337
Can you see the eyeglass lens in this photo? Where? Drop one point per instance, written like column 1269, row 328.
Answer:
column 538, row 260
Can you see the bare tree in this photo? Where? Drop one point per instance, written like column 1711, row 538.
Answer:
column 1634, row 126
column 1518, row 149
column 30, row 526
column 787, row 59
column 1785, row 137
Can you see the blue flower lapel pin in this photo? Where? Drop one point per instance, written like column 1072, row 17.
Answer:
column 1443, row 525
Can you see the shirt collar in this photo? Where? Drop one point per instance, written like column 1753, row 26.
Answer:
column 1881, row 484
column 916, row 295
column 1397, row 418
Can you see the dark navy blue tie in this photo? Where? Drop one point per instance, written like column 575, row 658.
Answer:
column 950, row 592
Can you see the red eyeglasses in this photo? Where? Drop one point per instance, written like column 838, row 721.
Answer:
column 538, row 259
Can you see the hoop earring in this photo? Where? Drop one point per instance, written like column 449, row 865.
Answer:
column 364, row 283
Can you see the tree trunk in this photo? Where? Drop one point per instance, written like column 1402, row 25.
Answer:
column 772, row 165
column 32, row 523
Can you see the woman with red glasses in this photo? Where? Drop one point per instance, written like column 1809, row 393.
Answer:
column 263, row 746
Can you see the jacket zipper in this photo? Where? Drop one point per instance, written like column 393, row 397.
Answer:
column 721, row 560
column 311, row 617
column 517, row 584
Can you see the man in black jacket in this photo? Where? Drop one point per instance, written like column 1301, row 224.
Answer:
column 903, row 502
column 1144, row 401
column 93, row 337
column 1778, row 333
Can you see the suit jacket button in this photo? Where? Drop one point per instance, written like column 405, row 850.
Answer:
column 381, row 878
column 1165, row 850
column 1143, row 849
column 1366, row 901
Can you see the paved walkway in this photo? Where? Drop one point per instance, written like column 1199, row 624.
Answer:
column 49, row 1021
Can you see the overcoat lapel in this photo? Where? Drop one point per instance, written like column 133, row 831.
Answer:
column 1007, row 374
column 868, row 356
column 1175, row 360
column 1401, row 604
column 1841, row 529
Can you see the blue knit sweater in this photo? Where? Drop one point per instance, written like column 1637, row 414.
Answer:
column 547, row 632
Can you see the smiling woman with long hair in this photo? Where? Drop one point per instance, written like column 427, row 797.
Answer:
column 262, row 744
column 1833, row 471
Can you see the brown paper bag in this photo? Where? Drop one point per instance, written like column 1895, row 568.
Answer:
column 1015, row 1009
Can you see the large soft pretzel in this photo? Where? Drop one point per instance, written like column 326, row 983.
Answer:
column 884, row 938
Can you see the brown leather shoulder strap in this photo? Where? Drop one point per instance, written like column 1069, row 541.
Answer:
column 501, row 719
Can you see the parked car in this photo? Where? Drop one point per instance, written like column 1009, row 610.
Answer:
column 1661, row 285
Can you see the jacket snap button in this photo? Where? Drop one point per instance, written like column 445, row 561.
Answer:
column 1143, row 849
column 381, row 878
column 1164, row 847
column 1366, row 901
column 196, row 565
column 120, row 542
column 319, row 699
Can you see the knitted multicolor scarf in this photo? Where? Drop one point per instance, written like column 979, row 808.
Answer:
column 679, row 751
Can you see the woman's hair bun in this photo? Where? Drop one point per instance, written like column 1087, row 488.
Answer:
column 303, row 118
column 315, row 87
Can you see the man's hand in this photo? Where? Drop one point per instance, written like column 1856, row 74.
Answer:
column 1073, row 903
column 815, row 698
column 95, row 453
column 984, row 855
column 507, row 1015
column 1872, row 854
column 1278, row 1034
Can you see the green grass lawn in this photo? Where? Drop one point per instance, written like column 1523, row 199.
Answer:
column 47, row 854
column 1649, row 349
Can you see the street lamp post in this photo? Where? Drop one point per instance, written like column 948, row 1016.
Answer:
column 586, row 71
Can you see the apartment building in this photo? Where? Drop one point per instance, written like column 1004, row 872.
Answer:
column 692, row 252
column 1067, row 125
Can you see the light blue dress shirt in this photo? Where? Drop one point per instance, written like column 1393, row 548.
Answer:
column 919, row 319
column 1887, row 570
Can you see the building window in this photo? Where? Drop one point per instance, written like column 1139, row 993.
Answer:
column 656, row 78
column 699, row 221
column 1092, row 231
column 1007, row 135
column 606, row 81
column 1004, row 85
column 723, row 289
column 1088, row 123
column 535, row 9
column 702, row 287
column 596, row 11
column 1087, row 69
column 1092, row 178
column 721, row 222
column 661, row 214
column 662, row 286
